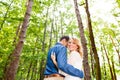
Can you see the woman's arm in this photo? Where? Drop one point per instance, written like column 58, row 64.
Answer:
column 53, row 57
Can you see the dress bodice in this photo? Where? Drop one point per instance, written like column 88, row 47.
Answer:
column 75, row 60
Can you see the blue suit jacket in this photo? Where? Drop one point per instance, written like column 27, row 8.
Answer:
column 61, row 58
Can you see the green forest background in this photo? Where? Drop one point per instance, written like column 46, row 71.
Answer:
column 51, row 19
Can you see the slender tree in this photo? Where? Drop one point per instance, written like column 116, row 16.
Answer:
column 61, row 22
column 50, row 41
column 32, row 77
column 32, row 62
column 117, row 50
column 94, row 50
column 17, row 34
column 113, row 68
column 29, row 69
column 14, row 58
column 44, row 35
column 92, row 63
column 104, row 64
column 56, row 32
column 106, row 53
column 42, row 67
column 84, row 43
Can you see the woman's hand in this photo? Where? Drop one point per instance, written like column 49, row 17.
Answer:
column 53, row 57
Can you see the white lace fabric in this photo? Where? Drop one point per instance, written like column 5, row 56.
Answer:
column 75, row 60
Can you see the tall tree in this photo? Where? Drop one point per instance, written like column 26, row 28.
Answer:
column 94, row 50
column 51, row 31
column 61, row 21
column 17, row 34
column 84, row 43
column 104, row 64
column 106, row 53
column 44, row 35
column 32, row 61
column 113, row 68
column 92, row 63
column 14, row 58
column 117, row 50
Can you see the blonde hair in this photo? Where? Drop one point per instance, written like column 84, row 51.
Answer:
column 77, row 42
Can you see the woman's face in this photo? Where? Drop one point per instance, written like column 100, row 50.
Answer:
column 72, row 46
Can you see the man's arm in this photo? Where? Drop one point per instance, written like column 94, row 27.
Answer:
column 64, row 66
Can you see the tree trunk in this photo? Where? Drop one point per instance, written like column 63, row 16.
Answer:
column 14, row 58
column 44, row 35
column 94, row 50
column 34, row 70
column 42, row 67
column 61, row 27
column 113, row 68
column 112, row 76
column 50, row 41
column 92, row 63
column 56, row 32
column 104, row 65
column 84, row 44
column 17, row 34
column 117, row 50
column 31, row 63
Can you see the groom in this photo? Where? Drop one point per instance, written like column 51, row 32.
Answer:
column 60, row 50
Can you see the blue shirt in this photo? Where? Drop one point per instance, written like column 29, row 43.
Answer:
column 61, row 58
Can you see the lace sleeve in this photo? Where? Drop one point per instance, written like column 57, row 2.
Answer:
column 75, row 60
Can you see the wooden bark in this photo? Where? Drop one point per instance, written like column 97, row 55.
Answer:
column 44, row 35
column 56, row 32
column 113, row 69
column 29, row 69
column 84, row 43
column 42, row 67
column 112, row 76
column 117, row 50
column 14, row 58
column 104, row 65
column 41, row 70
column 17, row 34
column 92, row 63
column 34, row 70
column 50, row 41
column 94, row 50
column 61, row 27
column 32, row 62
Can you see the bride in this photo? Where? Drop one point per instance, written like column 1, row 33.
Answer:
column 74, row 58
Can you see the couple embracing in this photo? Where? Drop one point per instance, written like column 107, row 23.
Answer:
column 61, row 67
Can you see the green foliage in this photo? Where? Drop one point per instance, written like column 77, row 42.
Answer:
column 61, row 17
column 118, row 1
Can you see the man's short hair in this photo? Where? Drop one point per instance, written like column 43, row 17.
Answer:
column 65, row 37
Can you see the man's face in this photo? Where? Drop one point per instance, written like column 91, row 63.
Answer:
column 65, row 42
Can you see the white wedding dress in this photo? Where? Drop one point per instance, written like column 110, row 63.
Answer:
column 75, row 60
